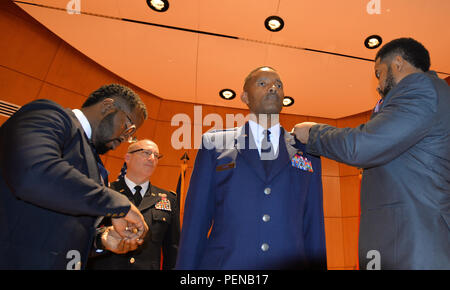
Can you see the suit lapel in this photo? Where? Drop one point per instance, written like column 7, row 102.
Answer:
column 91, row 162
column 125, row 190
column 245, row 144
column 289, row 140
column 149, row 199
column 246, row 147
column 286, row 151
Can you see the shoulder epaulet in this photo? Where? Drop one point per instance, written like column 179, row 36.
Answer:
column 221, row 130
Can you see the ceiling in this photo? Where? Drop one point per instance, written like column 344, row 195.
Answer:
column 199, row 47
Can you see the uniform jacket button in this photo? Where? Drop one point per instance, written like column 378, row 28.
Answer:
column 264, row 247
column 267, row 191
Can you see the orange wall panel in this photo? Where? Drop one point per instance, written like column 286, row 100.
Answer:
column 147, row 130
column 335, row 242
column 113, row 165
column 65, row 98
column 163, row 136
column 347, row 170
column 349, row 191
column 329, row 167
column 322, row 120
column 168, row 109
column 152, row 102
column 352, row 121
column 27, row 47
column 72, row 70
column 166, row 177
column 18, row 88
column 331, row 196
column 289, row 121
column 350, row 227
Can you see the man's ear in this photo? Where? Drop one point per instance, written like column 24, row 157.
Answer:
column 244, row 98
column 127, row 157
column 398, row 62
column 107, row 105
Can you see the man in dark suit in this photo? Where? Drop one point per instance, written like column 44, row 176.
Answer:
column 159, row 208
column 52, row 191
column 405, row 152
column 259, row 191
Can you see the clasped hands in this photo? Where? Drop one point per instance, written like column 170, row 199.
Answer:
column 126, row 234
column 301, row 131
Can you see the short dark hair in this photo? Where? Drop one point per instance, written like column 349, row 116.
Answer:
column 116, row 91
column 410, row 49
column 249, row 76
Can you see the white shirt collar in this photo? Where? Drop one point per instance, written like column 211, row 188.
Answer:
column 257, row 132
column 84, row 122
column 131, row 186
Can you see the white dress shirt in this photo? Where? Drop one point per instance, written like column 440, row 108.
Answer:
column 131, row 186
column 84, row 122
column 258, row 135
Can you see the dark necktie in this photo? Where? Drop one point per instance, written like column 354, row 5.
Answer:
column 103, row 172
column 101, row 168
column 267, row 151
column 137, row 195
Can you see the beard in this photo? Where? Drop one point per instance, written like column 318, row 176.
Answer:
column 103, row 134
column 389, row 84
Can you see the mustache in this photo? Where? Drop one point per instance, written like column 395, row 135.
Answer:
column 269, row 95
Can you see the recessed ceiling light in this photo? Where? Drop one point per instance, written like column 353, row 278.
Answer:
column 158, row 5
column 274, row 23
column 227, row 94
column 288, row 101
column 373, row 41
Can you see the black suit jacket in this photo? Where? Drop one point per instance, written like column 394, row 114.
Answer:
column 164, row 234
column 50, row 190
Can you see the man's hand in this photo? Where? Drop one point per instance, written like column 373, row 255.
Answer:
column 132, row 226
column 301, row 131
column 113, row 242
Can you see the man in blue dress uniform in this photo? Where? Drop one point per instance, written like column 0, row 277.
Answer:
column 259, row 191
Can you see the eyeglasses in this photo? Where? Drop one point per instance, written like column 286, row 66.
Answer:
column 129, row 130
column 147, row 153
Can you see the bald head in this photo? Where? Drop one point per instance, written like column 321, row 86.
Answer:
column 141, row 160
column 141, row 144
column 253, row 72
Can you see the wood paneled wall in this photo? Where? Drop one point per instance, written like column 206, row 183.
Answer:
column 35, row 63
